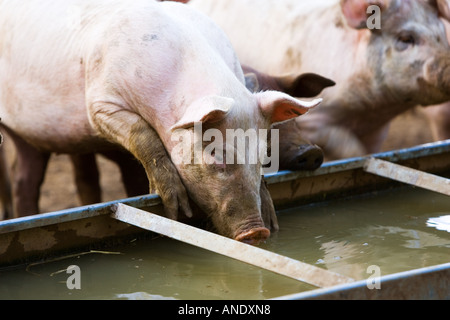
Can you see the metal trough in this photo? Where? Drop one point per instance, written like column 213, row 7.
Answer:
column 42, row 236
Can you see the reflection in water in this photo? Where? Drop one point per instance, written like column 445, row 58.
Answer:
column 391, row 230
column 141, row 296
column 440, row 223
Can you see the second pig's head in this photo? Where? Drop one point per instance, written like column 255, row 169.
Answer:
column 407, row 46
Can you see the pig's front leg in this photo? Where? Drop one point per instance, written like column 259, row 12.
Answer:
column 132, row 132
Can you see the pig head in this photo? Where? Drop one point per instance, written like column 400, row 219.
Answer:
column 208, row 175
column 406, row 64
column 411, row 48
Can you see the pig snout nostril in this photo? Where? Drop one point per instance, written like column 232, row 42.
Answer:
column 254, row 236
column 318, row 161
column 301, row 161
column 309, row 160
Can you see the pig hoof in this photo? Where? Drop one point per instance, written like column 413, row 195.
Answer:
column 254, row 236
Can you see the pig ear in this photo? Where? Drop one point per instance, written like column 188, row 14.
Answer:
column 443, row 7
column 278, row 106
column 305, row 85
column 207, row 109
column 355, row 11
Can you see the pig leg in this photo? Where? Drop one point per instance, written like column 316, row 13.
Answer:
column 132, row 132
column 87, row 175
column 28, row 174
column 86, row 178
column 133, row 174
column 267, row 209
column 5, row 189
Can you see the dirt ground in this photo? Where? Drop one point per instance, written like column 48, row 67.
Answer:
column 58, row 191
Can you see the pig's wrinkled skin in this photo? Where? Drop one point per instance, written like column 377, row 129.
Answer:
column 77, row 77
column 379, row 73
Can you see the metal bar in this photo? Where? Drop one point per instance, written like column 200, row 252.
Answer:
column 234, row 249
column 407, row 175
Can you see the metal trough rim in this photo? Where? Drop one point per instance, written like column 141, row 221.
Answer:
column 427, row 149
column 406, row 279
column 45, row 219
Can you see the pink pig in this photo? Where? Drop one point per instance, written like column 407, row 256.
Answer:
column 78, row 77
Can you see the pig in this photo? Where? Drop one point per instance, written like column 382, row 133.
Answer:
column 379, row 72
column 131, row 75
column 295, row 153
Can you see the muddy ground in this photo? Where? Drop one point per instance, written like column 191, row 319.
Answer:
column 58, row 190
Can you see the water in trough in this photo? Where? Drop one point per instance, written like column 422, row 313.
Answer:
column 395, row 231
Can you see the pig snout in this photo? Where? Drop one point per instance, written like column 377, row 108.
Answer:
column 304, row 157
column 437, row 73
column 254, row 236
column 252, row 231
column 240, row 217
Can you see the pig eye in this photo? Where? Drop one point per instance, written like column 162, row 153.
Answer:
column 404, row 41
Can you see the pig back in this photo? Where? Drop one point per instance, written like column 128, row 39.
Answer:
column 43, row 47
column 53, row 53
